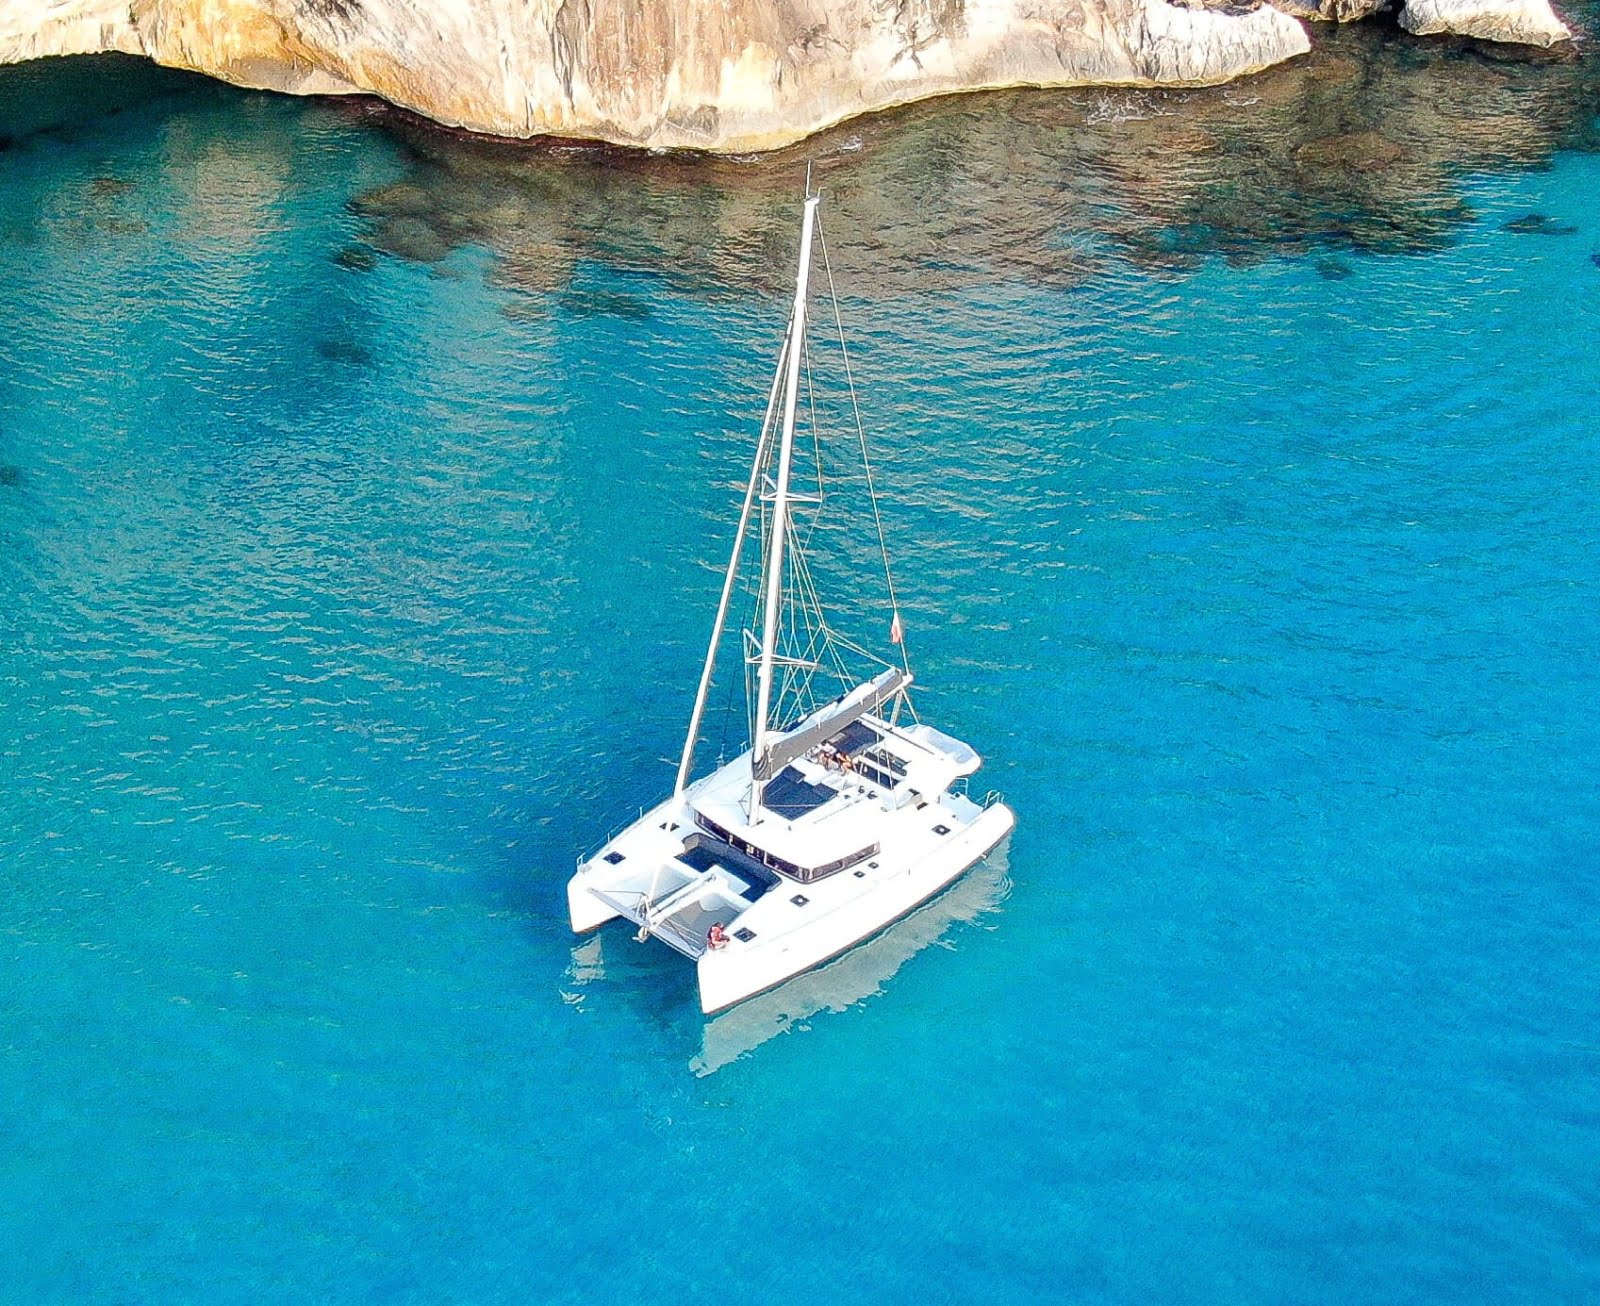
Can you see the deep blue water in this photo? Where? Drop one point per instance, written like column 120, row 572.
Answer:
column 341, row 609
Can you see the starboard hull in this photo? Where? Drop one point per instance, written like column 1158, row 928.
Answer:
column 728, row 977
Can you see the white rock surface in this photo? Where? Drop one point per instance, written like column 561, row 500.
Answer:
column 727, row 75
column 1518, row 22
column 32, row 29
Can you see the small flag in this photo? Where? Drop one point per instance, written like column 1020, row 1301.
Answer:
column 897, row 632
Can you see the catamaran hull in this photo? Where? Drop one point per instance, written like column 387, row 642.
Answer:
column 587, row 911
column 828, row 829
column 730, row 975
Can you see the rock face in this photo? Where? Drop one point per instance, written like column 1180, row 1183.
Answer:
column 722, row 75
column 728, row 75
column 1520, row 22
column 1332, row 11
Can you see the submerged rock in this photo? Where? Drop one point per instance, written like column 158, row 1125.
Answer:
column 412, row 238
column 1538, row 224
column 397, row 197
column 606, row 303
column 1362, row 151
column 1053, row 188
column 356, row 258
column 344, row 351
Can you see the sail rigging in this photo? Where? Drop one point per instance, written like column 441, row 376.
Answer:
column 788, row 639
column 832, row 795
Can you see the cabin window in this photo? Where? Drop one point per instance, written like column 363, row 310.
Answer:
column 805, row 875
column 614, row 858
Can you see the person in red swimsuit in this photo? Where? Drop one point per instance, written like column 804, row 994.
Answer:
column 717, row 937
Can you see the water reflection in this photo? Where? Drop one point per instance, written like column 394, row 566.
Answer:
column 1359, row 146
column 859, row 974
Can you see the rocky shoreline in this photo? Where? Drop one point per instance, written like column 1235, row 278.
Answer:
column 692, row 74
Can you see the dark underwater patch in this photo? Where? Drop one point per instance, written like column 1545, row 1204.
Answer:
column 1538, row 224
column 11, row 475
column 411, row 238
column 356, row 258
column 1333, row 269
column 400, row 197
column 1356, row 151
column 605, row 303
column 344, row 351
column 1358, row 147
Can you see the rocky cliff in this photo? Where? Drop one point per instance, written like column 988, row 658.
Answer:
column 701, row 74
column 1507, row 21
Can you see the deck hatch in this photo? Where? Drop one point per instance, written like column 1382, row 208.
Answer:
column 791, row 795
column 854, row 737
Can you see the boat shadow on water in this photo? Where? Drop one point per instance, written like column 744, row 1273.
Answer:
column 846, row 982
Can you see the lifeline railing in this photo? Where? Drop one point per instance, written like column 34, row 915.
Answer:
column 615, row 831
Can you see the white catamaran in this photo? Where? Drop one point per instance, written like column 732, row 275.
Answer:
column 827, row 828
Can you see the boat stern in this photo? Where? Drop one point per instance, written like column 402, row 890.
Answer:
column 666, row 876
column 586, row 909
column 729, row 975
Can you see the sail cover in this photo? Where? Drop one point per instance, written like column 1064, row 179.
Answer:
column 857, row 703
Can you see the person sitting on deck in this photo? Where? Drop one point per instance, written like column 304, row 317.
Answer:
column 716, row 936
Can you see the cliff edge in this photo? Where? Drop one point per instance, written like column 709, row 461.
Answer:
column 695, row 74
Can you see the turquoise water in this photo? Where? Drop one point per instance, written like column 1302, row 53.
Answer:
column 349, row 596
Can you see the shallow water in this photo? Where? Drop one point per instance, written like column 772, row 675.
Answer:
column 352, row 579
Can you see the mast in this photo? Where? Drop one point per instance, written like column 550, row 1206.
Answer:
column 772, row 595
column 686, row 763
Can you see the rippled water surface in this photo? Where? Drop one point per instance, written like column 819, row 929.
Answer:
column 361, row 494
